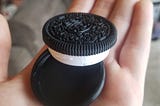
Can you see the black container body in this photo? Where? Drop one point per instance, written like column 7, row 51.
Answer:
column 58, row 84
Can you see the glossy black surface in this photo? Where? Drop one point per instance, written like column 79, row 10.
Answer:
column 57, row 84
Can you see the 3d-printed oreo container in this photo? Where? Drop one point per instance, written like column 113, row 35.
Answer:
column 71, row 71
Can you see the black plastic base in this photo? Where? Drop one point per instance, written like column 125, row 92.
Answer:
column 58, row 84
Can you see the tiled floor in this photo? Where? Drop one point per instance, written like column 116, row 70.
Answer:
column 34, row 14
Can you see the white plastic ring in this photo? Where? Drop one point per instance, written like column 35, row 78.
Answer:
column 79, row 60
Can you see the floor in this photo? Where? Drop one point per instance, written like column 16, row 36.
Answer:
column 26, row 28
column 152, row 93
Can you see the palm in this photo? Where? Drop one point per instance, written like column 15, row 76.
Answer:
column 125, row 65
column 120, row 89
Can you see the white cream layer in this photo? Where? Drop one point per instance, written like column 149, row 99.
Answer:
column 79, row 60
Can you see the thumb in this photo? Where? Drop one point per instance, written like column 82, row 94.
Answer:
column 5, row 45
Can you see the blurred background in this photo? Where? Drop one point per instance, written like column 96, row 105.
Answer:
column 26, row 19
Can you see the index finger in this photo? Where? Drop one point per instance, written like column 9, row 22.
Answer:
column 81, row 6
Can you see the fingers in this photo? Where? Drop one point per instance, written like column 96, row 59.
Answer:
column 81, row 6
column 135, row 51
column 5, row 45
column 121, row 17
column 76, row 6
column 103, row 7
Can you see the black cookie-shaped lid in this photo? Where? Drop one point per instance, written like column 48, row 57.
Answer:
column 79, row 34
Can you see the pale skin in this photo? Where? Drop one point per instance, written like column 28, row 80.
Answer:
column 125, row 65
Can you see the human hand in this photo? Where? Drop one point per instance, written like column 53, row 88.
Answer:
column 125, row 65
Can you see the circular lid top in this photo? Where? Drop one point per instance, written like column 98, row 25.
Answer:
column 79, row 34
column 57, row 84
